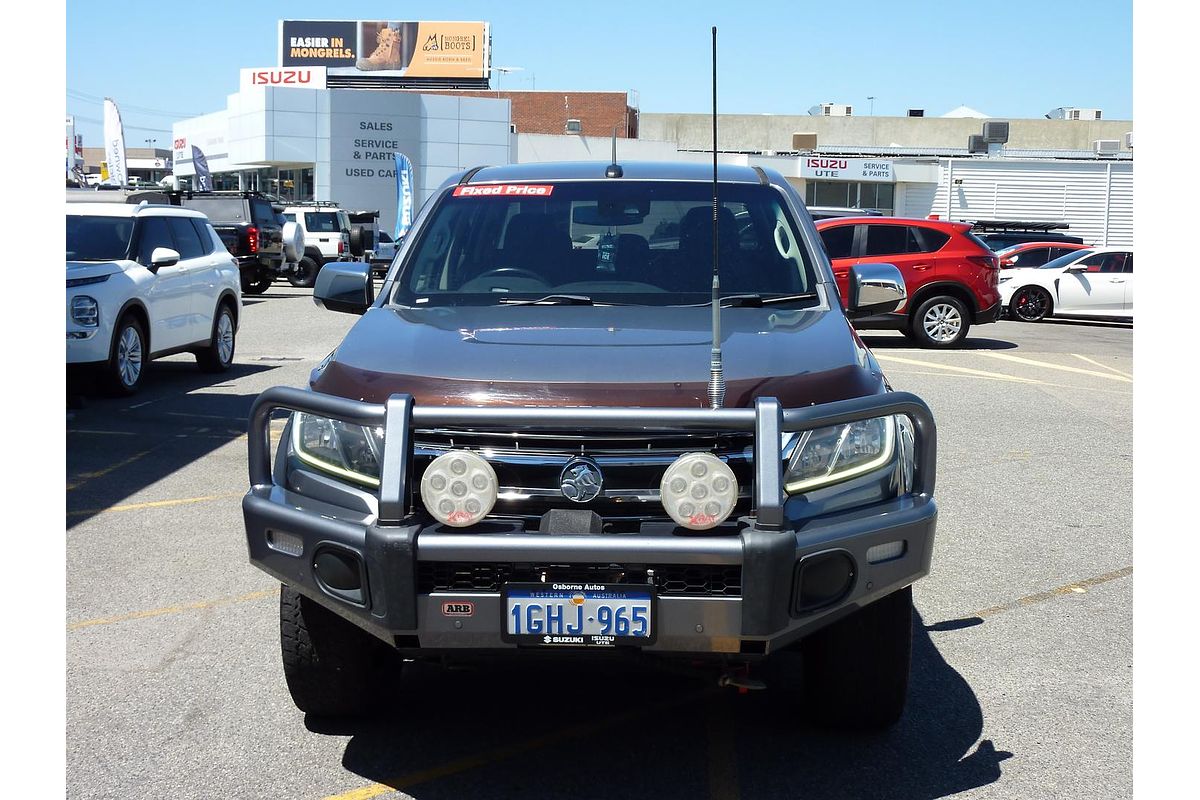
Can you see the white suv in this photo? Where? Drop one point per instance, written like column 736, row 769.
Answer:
column 145, row 281
column 326, row 238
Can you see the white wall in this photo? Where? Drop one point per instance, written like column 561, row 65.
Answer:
column 1095, row 198
column 348, row 137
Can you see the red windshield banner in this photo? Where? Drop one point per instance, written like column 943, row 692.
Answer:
column 505, row 190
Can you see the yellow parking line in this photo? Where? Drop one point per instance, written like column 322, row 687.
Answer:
column 488, row 757
column 1102, row 366
column 153, row 504
column 965, row 370
column 1048, row 365
column 157, row 612
column 84, row 477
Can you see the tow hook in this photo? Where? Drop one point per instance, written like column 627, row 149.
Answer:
column 742, row 683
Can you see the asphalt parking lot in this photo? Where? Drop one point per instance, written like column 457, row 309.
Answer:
column 1022, row 660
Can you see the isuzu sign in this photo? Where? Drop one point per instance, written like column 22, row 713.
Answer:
column 287, row 77
column 831, row 168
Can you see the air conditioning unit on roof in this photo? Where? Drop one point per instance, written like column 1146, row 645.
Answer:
column 1107, row 146
column 995, row 132
column 976, row 144
column 1129, row 140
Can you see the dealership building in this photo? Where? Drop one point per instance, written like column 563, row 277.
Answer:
column 326, row 127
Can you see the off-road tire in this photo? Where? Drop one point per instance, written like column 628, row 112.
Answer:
column 258, row 284
column 853, row 674
column 953, row 331
column 218, row 356
column 332, row 667
column 120, row 377
column 305, row 274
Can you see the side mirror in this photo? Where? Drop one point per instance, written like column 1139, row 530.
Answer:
column 293, row 241
column 345, row 286
column 163, row 257
column 1077, row 268
column 875, row 289
column 357, row 246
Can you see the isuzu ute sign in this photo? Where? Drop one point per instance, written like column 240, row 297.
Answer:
column 286, row 77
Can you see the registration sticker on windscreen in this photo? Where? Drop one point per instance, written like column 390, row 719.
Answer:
column 505, row 190
column 578, row 614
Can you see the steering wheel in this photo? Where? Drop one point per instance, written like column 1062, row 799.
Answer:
column 513, row 271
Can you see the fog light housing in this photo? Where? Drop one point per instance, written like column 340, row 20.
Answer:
column 699, row 491
column 459, row 488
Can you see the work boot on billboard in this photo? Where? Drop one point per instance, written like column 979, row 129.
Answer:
column 387, row 52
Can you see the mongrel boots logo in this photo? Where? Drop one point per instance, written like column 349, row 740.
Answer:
column 437, row 43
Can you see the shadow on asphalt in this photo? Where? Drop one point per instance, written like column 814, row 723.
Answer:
column 598, row 729
column 877, row 342
column 117, row 447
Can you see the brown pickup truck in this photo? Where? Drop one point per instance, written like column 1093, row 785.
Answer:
column 544, row 435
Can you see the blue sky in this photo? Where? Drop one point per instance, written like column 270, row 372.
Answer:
column 1018, row 59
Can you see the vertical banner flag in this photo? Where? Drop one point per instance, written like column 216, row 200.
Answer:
column 203, row 176
column 114, row 143
column 70, row 147
column 404, row 196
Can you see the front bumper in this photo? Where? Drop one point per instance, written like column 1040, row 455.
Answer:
column 392, row 548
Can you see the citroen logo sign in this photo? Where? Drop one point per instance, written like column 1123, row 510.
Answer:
column 581, row 480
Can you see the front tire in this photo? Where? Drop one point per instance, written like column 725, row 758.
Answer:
column 940, row 322
column 1030, row 304
column 332, row 667
column 218, row 356
column 854, row 673
column 305, row 274
column 127, row 361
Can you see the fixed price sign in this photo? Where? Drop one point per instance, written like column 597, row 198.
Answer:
column 847, row 169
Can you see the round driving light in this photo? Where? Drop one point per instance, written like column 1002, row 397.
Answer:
column 459, row 488
column 703, row 477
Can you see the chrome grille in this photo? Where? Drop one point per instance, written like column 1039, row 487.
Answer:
column 528, row 466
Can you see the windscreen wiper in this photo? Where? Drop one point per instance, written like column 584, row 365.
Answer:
column 757, row 300
column 551, row 300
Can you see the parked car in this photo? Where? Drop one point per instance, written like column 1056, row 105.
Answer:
column 383, row 253
column 1035, row 254
column 1096, row 282
column 250, row 229
column 832, row 212
column 326, row 238
column 950, row 275
column 999, row 234
column 145, row 281
column 520, row 448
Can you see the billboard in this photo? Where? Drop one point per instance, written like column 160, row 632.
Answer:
column 387, row 48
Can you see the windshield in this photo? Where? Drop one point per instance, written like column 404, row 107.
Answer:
column 1063, row 261
column 98, row 238
column 645, row 243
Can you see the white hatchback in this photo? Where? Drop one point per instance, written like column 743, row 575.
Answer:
column 145, row 281
column 1096, row 282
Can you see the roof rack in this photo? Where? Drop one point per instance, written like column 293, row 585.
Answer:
column 1016, row 225
column 320, row 203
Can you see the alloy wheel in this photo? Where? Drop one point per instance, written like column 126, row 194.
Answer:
column 942, row 322
column 129, row 356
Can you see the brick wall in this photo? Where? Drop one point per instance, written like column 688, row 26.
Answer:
column 548, row 112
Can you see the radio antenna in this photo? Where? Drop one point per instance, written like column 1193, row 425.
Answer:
column 716, row 381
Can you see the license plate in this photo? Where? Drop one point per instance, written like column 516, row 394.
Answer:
column 578, row 614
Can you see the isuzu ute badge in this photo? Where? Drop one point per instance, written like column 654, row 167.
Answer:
column 581, row 480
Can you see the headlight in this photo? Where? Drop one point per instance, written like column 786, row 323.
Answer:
column 339, row 448
column 828, row 455
column 85, row 311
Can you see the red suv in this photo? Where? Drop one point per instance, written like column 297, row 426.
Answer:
column 950, row 275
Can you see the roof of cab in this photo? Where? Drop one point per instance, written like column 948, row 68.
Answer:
column 102, row 209
column 632, row 170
